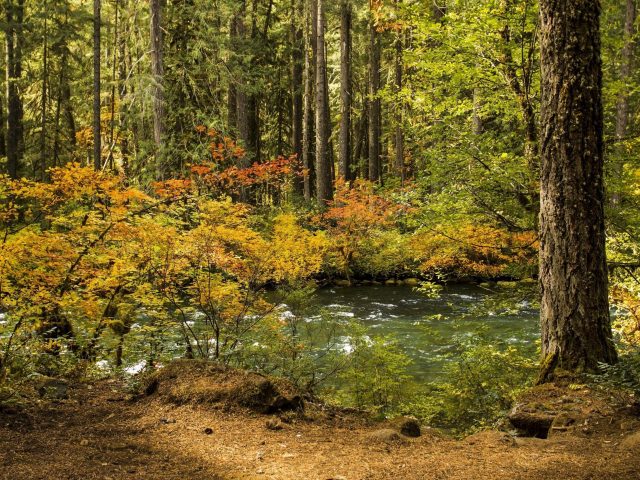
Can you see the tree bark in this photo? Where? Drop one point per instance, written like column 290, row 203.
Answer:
column 14, row 17
column 297, row 88
column 245, row 99
column 97, row 140
column 157, row 72
column 375, row 122
column 308, row 151
column 576, row 329
column 232, row 93
column 324, row 184
column 622, row 107
column 43, row 97
column 399, row 166
column 344, row 170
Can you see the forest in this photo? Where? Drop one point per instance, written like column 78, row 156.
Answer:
column 238, row 236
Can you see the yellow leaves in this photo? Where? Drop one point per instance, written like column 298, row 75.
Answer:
column 472, row 250
column 295, row 253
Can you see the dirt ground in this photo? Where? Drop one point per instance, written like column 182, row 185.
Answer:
column 100, row 433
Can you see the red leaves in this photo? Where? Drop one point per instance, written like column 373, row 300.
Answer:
column 172, row 188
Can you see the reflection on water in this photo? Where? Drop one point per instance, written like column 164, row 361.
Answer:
column 427, row 327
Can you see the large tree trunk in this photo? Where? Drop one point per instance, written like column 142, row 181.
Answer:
column 324, row 183
column 297, row 88
column 43, row 97
column 97, row 140
column 232, row 91
column 399, row 140
column 308, row 162
column 14, row 17
column 622, row 107
column 245, row 99
column 157, row 72
column 576, row 330
column 375, row 121
column 344, row 170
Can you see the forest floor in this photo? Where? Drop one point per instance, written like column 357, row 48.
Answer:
column 101, row 432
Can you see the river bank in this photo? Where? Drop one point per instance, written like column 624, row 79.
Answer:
column 101, row 432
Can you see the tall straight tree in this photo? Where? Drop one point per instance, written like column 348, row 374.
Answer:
column 297, row 66
column 246, row 101
column 308, row 152
column 97, row 140
column 626, row 66
column 43, row 96
column 13, row 33
column 399, row 70
column 324, row 180
column 157, row 71
column 344, row 160
column 576, row 329
column 375, row 120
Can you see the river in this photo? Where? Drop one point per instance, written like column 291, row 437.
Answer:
column 428, row 328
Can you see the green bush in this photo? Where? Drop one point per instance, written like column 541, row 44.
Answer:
column 481, row 386
column 376, row 377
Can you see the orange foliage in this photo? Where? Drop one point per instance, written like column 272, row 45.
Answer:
column 352, row 215
column 473, row 250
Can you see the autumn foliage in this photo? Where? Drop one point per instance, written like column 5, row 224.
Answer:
column 88, row 263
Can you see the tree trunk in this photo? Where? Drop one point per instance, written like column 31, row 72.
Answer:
column 324, row 184
column 375, row 122
column 308, row 151
column 122, row 93
column 361, row 143
column 344, row 170
column 43, row 98
column 232, row 92
column 245, row 100
column 157, row 72
column 297, row 88
column 576, row 329
column 97, row 140
column 399, row 141
column 622, row 107
column 14, row 16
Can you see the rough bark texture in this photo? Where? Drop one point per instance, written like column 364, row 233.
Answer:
column 344, row 169
column 232, row 100
column 246, row 102
column 576, row 331
column 297, row 87
column 43, row 101
column 157, row 71
column 308, row 116
column 375, row 125
column 626, row 65
column 399, row 140
column 622, row 107
column 97, row 139
column 14, row 17
column 324, row 186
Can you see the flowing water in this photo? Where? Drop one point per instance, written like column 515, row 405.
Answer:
column 428, row 328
